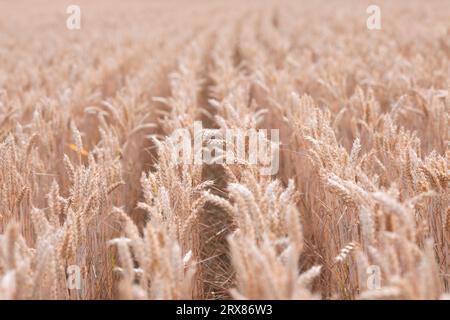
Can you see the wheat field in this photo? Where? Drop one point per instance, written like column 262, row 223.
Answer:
column 93, row 205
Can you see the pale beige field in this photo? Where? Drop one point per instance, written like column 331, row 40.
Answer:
column 360, row 208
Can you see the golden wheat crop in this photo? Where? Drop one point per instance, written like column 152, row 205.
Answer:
column 94, row 206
